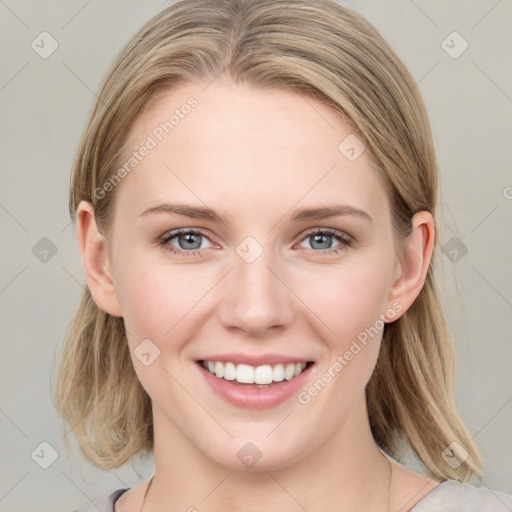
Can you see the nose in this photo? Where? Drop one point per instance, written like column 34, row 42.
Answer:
column 255, row 297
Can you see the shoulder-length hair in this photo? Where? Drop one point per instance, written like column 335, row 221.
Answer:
column 317, row 48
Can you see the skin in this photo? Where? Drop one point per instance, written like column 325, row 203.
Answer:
column 255, row 156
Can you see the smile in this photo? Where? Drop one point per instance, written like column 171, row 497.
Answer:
column 254, row 382
column 260, row 376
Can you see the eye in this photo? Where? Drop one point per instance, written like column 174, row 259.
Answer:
column 321, row 241
column 188, row 241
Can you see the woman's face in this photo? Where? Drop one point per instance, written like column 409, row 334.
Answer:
column 258, row 287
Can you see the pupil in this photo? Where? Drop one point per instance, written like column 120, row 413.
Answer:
column 318, row 237
column 189, row 239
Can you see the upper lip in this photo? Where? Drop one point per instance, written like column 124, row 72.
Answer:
column 255, row 360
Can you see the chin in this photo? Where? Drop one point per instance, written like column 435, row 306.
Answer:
column 253, row 453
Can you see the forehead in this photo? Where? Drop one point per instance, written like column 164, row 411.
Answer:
column 224, row 143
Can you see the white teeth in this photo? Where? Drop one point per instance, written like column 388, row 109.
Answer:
column 219, row 369
column 229, row 371
column 246, row 374
column 289, row 371
column 263, row 374
column 278, row 374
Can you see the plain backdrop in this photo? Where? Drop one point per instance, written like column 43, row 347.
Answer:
column 45, row 103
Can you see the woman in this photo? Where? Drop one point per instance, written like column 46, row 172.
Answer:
column 275, row 357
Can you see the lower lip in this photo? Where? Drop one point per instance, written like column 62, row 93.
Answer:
column 255, row 398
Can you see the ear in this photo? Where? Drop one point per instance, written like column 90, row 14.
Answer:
column 95, row 261
column 411, row 269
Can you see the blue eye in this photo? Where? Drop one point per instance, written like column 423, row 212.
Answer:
column 187, row 238
column 189, row 241
column 322, row 237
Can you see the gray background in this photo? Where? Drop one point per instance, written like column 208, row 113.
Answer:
column 45, row 103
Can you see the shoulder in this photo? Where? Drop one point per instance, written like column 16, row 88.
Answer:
column 453, row 496
column 103, row 504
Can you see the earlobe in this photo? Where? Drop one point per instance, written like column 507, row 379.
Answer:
column 95, row 261
column 415, row 262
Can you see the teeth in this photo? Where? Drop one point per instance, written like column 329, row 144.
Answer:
column 245, row 374
column 289, row 372
column 219, row 369
column 263, row 374
column 229, row 371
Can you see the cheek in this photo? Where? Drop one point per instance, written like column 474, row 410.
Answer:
column 346, row 299
column 156, row 296
column 160, row 303
column 350, row 304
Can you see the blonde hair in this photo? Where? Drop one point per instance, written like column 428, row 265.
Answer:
column 328, row 52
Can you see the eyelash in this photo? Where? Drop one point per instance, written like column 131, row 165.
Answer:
column 346, row 241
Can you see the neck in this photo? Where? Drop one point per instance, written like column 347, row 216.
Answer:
column 348, row 470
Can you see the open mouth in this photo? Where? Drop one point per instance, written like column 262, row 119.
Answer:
column 262, row 376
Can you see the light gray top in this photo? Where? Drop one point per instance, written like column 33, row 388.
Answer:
column 448, row 496
column 453, row 496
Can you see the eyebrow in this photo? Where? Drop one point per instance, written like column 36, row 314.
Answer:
column 299, row 215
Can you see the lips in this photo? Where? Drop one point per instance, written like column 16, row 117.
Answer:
column 252, row 371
